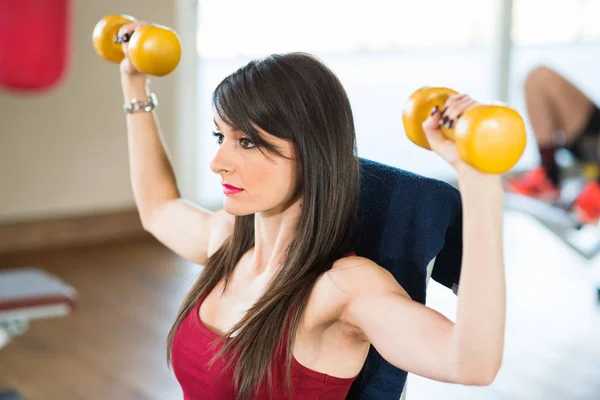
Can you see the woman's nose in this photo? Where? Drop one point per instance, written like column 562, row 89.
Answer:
column 221, row 162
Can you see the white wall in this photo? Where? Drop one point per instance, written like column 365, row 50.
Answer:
column 64, row 152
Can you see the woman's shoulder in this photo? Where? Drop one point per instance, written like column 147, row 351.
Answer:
column 349, row 279
column 358, row 276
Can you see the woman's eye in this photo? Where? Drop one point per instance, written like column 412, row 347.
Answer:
column 219, row 137
column 246, row 143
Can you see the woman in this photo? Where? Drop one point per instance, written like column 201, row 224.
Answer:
column 282, row 305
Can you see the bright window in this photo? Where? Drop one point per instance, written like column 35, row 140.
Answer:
column 228, row 28
column 555, row 21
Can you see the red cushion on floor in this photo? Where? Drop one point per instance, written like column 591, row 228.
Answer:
column 34, row 43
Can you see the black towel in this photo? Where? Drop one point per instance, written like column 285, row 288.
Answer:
column 404, row 221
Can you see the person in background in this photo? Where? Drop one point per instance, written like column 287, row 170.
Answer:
column 561, row 116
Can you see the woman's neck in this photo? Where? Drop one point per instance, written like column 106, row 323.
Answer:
column 273, row 232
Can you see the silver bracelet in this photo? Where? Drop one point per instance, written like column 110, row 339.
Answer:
column 136, row 105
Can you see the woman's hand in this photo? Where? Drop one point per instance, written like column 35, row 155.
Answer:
column 453, row 109
column 123, row 36
column 455, row 106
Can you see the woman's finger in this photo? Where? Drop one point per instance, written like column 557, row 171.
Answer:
column 459, row 108
column 451, row 101
column 456, row 111
column 431, row 127
column 124, row 33
column 456, row 98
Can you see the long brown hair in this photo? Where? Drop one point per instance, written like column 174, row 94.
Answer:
column 297, row 98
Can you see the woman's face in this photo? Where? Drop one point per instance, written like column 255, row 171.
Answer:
column 267, row 181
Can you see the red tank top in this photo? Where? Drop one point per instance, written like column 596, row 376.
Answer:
column 190, row 354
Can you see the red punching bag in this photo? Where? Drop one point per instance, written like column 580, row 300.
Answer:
column 34, row 43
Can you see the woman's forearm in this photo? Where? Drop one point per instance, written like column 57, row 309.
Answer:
column 152, row 177
column 480, row 320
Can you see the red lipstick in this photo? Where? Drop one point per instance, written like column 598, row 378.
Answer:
column 229, row 189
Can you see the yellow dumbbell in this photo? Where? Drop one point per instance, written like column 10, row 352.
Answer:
column 490, row 138
column 153, row 49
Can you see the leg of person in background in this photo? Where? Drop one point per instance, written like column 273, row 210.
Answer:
column 558, row 113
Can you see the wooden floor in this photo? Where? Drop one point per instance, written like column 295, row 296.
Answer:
column 113, row 345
